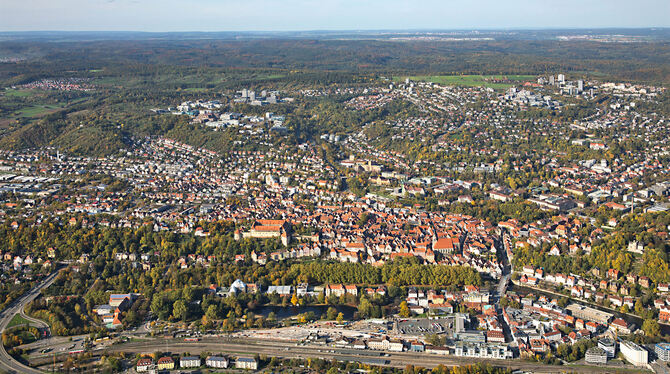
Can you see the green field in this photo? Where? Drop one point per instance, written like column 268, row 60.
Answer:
column 17, row 320
column 195, row 89
column 491, row 81
column 18, row 93
column 36, row 110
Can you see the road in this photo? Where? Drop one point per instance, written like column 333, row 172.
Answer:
column 659, row 367
column 291, row 350
column 506, row 262
column 7, row 362
column 507, row 266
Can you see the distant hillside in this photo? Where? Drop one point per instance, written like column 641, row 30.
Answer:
column 132, row 76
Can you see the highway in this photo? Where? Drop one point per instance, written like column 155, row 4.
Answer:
column 7, row 362
column 284, row 349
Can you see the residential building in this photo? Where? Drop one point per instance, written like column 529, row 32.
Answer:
column 246, row 363
column 217, row 362
column 165, row 363
column 620, row 326
column 189, row 362
column 143, row 364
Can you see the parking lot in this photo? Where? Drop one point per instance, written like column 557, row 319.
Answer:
column 418, row 327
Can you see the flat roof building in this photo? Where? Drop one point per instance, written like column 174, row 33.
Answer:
column 662, row 351
column 596, row 355
column 609, row 346
column 590, row 314
column 633, row 353
column 483, row 350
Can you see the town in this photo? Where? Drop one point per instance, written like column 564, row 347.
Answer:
column 297, row 220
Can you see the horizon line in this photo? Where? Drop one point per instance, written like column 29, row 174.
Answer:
column 352, row 30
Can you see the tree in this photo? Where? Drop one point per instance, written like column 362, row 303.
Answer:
column 340, row 318
column 211, row 312
column 651, row 328
column 249, row 321
column 404, row 310
column 179, row 310
column 563, row 350
column 294, row 299
column 436, row 340
column 228, row 324
column 364, row 307
column 159, row 307
column 331, row 313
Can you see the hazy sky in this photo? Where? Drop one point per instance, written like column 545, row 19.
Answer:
column 263, row 15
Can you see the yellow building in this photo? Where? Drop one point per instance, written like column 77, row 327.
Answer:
column 165, row 363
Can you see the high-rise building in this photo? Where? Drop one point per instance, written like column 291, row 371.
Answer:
column 561, row 78
column 551, row 80
column 580, row 85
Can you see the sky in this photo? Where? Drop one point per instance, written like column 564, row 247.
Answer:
column 298, row 15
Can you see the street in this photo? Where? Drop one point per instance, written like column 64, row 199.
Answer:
column 7, row 362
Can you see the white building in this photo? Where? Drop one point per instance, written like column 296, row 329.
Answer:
column 596, row 355
column 663, row 351
column 189, row 362
column 609, row 346
column 217, row 362
column 633, row 353
column 483, row 350
column 246, row 363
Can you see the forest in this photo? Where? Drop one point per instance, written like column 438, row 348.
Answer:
column 132, row 75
